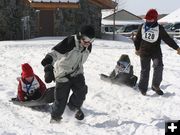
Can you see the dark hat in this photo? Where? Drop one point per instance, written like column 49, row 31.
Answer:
column 27, row 70
column 125, row 58
column 151, row 14
column 88, row 31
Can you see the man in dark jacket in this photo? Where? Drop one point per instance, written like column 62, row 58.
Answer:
column 64, row 64
column 147, row 45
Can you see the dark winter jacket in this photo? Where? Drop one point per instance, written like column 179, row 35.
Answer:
column 123, row 73
column 67, row 58
column 148, row 40
column 124, row 68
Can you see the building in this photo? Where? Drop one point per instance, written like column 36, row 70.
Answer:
column 54, row 17
column 119, row 19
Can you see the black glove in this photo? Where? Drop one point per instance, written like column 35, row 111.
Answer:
column 47, row 60
column 49, row 75
column 15, row 99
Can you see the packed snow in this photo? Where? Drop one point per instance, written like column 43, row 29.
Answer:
column 109, row 109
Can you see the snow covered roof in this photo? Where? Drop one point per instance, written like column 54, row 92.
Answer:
column 64, row 1
column 123, row 15
column 53, row 4
column 172, row 17
column 110, row 22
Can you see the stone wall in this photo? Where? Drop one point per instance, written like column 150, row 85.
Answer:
column 19, row 21
column 34, row 23
column 10, row 23
column 69, row 21
column 12, row 14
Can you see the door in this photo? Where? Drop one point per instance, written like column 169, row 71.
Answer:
column 46, row 23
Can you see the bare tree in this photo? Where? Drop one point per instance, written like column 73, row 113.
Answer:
column 120, row 5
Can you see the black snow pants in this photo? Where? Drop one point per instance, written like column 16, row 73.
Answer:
column 127, row 79
column 62, row 90
column 145, row 70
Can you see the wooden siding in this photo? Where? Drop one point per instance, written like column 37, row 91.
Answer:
column 103, row 4
column 51, row 6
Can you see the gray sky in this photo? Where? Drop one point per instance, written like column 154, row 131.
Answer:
column 140, row 7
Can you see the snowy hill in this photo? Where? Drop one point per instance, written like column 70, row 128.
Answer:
column 110, row 109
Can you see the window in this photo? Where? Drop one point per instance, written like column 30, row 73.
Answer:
column 177, row 26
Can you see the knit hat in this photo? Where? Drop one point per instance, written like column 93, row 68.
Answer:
column 88, row 31
column 27, row 70
column 152, row 14
column 125, row 58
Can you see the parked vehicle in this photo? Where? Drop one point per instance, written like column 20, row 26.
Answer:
column 171, row 26
column 109, row 28
column 177, row 34
column 128, row 28
column 173, row 29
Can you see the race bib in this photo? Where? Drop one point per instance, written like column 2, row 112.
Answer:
column 150, row 35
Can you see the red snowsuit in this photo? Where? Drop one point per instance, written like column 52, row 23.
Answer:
column 30, row 91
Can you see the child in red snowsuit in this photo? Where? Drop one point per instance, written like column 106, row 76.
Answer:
column 30, row 86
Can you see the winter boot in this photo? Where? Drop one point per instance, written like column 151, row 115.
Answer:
column 132, row 81
column 14, row 99
column 55, row 120
column 143, row 92
column 157, row 90
column 71, row 107
column 79, row 114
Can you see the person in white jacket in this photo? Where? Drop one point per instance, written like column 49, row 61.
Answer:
column 64, row 64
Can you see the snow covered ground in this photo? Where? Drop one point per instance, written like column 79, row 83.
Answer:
column 110, row 109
